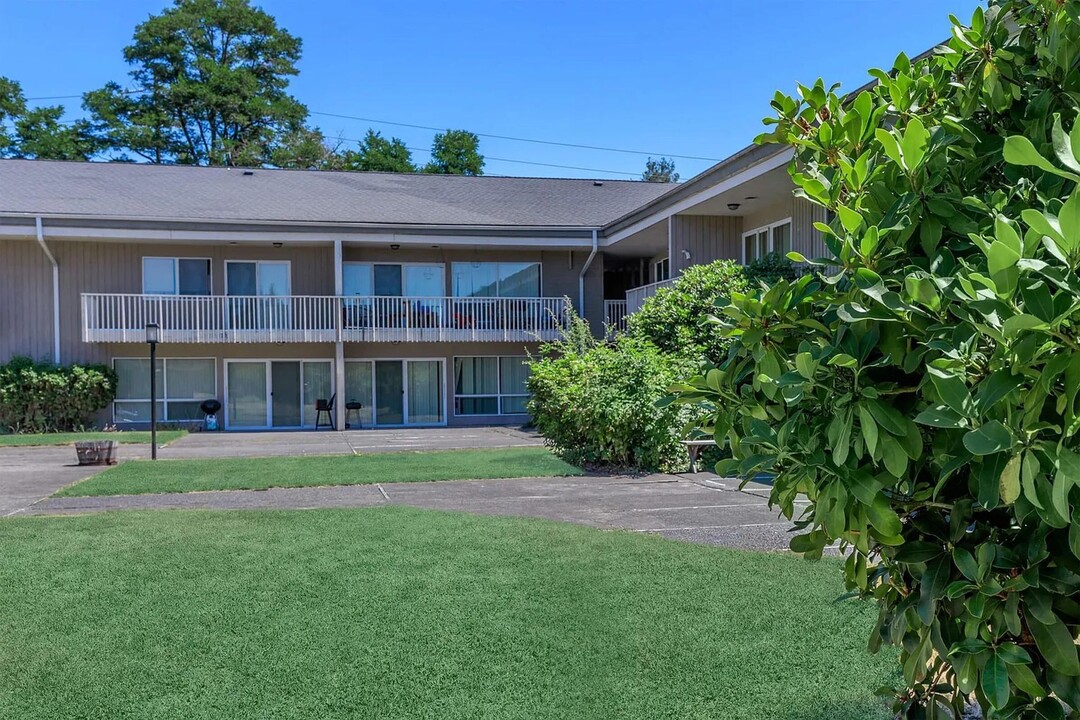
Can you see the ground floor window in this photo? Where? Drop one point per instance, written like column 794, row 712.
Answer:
column 774, row 238
column 182, row 385
column 490, row 385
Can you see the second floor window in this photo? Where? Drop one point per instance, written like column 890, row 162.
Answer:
column 496, row 279
column 175, row 276
column 662, row 270
column 775, row 238
column 393, row 279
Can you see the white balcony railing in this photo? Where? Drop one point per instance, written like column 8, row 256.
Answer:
column 615, row 315
column 636, row 297
column 121, row 318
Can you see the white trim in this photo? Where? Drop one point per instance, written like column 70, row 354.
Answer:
column 39, row 231
column 499, row 395
column 176, row 273
column 779, row 160
column 164, row 399
column 228, row 425
column 288, row 263
column 770, row 239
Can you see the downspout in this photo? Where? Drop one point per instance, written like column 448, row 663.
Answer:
column 581, row 277
column 55, row 288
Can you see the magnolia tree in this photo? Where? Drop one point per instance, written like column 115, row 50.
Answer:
column 921, row 389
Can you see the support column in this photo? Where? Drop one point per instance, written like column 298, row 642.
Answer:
column 339, row 346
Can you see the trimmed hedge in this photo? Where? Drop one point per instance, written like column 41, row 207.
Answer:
column 596, row 404
column 42, row 397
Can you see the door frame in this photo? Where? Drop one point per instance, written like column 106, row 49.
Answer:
column 269, row 389
column 405, row 387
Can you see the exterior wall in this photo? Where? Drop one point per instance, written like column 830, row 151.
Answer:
column 26, row 314
column 706, row 238
column 805, row 238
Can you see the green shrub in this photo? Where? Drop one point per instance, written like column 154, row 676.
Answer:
column 673, row 319
column 770, row 268
column 40, row 397
column 924, row 393
column 596, row 403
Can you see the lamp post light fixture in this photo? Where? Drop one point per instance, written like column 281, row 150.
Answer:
column 153, row 336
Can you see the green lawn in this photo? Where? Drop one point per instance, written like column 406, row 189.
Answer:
column 403, row 613
column 70, row 438
column 139, row 477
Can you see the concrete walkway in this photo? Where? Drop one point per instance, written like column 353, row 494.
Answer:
column 668, row 505
column 347, row 442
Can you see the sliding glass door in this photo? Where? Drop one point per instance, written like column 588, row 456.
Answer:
column 397, row 393
column 262, row 394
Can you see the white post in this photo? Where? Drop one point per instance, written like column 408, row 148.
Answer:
column 339, row 346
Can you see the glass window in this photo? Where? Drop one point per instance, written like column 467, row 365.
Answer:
column 356, row 279
column 476, row 376
column 490, row 385
column 173, row 276
column 425, row 281
column 159, row 276
column 190, row 379
column 519, row 280
column 193, row 276
column 662, row 270
column 781, row 239
column 388, row 280
column 490, row 279
column 475, row 279
column 513, row 374
column 425, row 391
column 182, row 385
column 358, row 388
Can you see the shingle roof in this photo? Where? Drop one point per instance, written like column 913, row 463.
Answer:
column 132, row 191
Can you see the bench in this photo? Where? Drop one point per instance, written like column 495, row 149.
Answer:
column 693, row 449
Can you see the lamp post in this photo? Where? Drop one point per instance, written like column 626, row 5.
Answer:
column 153, row 335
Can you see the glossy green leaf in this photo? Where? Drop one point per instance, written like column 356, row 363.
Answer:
column 991, row 437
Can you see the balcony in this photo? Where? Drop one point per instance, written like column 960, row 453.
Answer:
column 636, row 297
column 122, row 318
column 615, row 316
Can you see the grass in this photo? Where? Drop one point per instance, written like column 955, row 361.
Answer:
column 139, row 477
column 70, row 438
column 404, row 613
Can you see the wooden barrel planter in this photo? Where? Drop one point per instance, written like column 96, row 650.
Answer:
column 97, row 452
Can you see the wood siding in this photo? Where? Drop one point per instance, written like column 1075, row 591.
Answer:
column 706, row 238
column 26, row 298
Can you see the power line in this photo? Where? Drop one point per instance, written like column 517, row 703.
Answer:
column 519, row 139
column 486, row 157
column 441, row 129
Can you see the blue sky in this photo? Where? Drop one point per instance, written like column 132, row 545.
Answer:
column 687, row 78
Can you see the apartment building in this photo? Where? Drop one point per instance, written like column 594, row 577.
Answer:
column 417, row 297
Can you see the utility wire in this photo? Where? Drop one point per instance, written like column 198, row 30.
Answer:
column 440, row 129
column 519, row 139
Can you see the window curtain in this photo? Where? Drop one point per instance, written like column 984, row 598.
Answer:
column 317, row 385
column 425, row 392
column 358, row 389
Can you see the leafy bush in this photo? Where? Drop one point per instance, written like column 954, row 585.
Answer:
column 770, row 268
column 597, row 404
column 672, row 320
column 924, row 393
column 40, row 397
